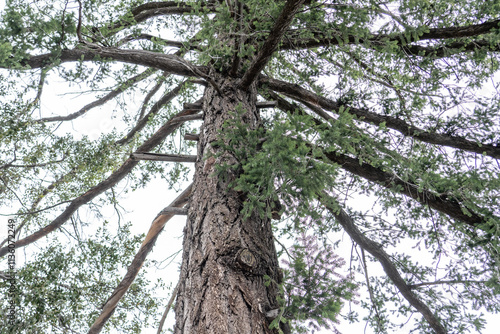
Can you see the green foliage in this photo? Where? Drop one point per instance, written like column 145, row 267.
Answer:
column 63, row 287
column 314, row 291
column 274, row 166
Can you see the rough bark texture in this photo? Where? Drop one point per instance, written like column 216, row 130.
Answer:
column 222, row 286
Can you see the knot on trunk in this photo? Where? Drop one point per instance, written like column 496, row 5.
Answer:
column 246, row 259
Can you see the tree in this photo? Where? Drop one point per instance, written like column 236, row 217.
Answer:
column 306, row 106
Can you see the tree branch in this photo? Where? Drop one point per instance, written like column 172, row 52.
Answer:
column 163, row 157
column 112, row 180
column 271, row 43
column 153, row 111
column 169, row 306
column 40, row 197
column 378, row 252
column 449, row 49
column 114, row 93
column 390, row 181
column 147, row 11
column 149, row 37
column 335, row 37
column 147, row 245
column 418, row 285
column 300, row 94
column 165, row 62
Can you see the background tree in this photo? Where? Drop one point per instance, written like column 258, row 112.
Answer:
column 306, row 108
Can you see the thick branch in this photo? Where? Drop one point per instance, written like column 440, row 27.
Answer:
column 147, row 245
column 390, row 269
column 272, row 41
column 300, row 94
column 168, row 63
column 336, row 37
column 95, row 191
column 390, row 181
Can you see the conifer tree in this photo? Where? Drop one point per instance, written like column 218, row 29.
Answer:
column 315, row 128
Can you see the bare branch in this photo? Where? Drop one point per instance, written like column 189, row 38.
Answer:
column 370, row 289
column 149, row 96
column 378, row 252
column 114, row 93
column 271, row 43
column 153, row 111
column 147, row 245
column 297, row 93
column 169, row 306
column 196, row 117
column 174, row 211
column 191, row 136
column 163, row 157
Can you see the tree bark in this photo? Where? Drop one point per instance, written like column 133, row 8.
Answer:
column 225, row 257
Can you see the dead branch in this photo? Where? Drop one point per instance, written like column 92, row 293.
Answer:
column 147, row 245
column 163, row 157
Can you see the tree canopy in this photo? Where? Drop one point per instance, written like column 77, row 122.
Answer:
column 377, row 137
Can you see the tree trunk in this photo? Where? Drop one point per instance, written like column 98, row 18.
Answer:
column 225, row 257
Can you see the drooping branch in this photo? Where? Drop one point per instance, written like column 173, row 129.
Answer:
column 109, row 182
column 302, row 95
column 378, row 252
column 99, row 102
column 402, row 39
column 147, row 245
column 390, row 181
column 280, row 27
